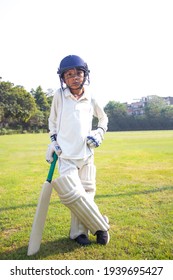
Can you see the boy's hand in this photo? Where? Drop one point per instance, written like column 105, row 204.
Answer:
column 53, row 147
column 94, row 140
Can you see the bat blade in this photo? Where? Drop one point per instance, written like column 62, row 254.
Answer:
column 39, row 219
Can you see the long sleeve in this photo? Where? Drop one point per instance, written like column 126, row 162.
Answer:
column 101, row 115
column 54, row 113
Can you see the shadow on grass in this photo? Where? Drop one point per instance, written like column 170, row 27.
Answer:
column 25, row 206
column 136, row 192
column 60, row 246
column 166, row 188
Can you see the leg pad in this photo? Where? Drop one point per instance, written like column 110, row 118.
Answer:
column 73, row 195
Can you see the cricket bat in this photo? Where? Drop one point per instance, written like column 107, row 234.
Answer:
column 41, row 212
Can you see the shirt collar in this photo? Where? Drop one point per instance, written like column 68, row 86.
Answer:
column 67, row 93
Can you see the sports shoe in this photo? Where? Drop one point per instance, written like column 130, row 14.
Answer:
column 82, row 240
column 103, row 237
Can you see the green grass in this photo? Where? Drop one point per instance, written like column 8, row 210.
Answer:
column 134, row 189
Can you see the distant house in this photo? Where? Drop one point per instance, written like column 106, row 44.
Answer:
column 169, row 100
column 138, row 108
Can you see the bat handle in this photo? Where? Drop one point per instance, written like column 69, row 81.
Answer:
column 52, row 167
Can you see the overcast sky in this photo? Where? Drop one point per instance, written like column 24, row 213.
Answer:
column 128, row 44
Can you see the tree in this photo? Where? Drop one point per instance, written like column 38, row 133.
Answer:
column 167, row 117
column 117, row 115
column 40, row 99
column 43, row 105
column 25, row 106
column 17, row 105
column 5, row 88
column 36, row 122
column 153, row 111
column 154, row 106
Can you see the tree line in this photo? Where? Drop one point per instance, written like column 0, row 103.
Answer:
column 22, row 111
column 157, row 115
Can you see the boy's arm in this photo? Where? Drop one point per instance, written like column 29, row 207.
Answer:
column 52, row 125
column 95, row 139
column 101, row 115
column 52, row 121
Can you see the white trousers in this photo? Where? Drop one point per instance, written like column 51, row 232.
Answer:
column 86, row 171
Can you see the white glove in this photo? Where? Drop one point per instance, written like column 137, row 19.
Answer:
column 53, row 147
column 95, row 139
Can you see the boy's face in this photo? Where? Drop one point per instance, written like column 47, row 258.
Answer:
column 73, row 78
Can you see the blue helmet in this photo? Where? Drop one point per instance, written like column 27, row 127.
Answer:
column 72, row 61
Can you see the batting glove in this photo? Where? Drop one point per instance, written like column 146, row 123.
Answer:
column 53, row 147
column 94, row 141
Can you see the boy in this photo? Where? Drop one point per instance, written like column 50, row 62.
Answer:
column 70, row 123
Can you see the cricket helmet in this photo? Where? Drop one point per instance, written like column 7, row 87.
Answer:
column 72, row 61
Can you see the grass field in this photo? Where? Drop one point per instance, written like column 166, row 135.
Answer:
column 134, row 189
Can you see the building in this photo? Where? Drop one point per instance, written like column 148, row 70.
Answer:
column 138, row 108
column 168, row 100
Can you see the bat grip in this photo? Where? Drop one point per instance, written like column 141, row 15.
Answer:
column 52, row 167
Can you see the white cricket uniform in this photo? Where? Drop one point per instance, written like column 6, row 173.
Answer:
column 71, row 120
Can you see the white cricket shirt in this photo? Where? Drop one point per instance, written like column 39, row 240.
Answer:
column 71, row 120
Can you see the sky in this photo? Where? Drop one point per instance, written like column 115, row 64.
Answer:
column 127, row 44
